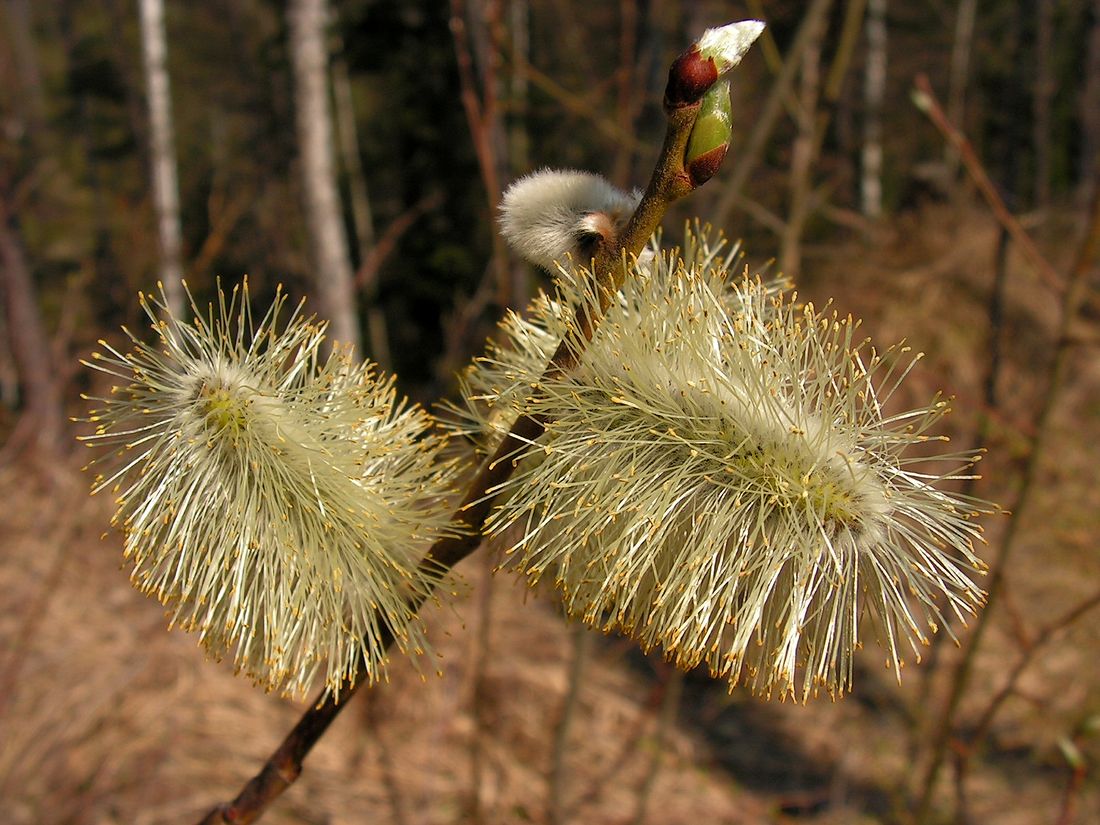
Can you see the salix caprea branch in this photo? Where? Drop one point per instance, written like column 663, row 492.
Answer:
column 696, row 140
column 694, row 457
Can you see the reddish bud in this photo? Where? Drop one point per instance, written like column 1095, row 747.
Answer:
column 706, row 166
column 689, row 78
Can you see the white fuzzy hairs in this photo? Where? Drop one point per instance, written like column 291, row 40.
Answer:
column 554, row 215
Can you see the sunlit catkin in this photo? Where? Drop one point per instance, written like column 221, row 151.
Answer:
column 721, row 477
column 275, row 501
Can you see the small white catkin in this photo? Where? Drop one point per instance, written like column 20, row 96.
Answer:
column 276, row 503
column 726, row 45
column 720, row 478
column 552, row 217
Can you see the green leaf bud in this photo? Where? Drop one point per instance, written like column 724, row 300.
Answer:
column 710, row 138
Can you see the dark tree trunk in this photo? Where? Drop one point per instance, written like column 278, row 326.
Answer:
column 40, row 426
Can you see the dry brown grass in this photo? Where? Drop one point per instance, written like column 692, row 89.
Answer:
column 105, row 718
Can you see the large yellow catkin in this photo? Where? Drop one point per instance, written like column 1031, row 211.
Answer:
column 719, row 477
column 276, row 502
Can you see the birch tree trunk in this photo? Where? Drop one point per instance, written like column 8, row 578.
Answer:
column 874, row 90
column 333, row 276
column 162, row 150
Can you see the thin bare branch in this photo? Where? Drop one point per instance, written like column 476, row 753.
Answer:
column 481, row 647
column 367, row 273
column 42, row 418
column 926, row 101
column 577, row 105
column 582, row 651
column 672, row 690
column 1072, row 299
column 481, row 115
column 1078, row 771
column 626, row 106
column 224, row 214
column 1042, row 638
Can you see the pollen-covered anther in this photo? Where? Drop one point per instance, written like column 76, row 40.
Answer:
column 723, row 482
column 243, row 497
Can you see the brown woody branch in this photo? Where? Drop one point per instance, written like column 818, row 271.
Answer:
column 367, row 275
column 669, row 182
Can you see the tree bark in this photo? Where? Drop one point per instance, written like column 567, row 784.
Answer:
column 162, row 150
column 333, row 278
column 1041, row 102
column 42, row 414
column 960, row 70
column 803, row 153
column 1090, row 111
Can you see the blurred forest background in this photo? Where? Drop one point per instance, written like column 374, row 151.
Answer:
column 358, row 161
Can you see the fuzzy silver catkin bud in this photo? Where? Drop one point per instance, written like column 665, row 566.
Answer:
column 554, row 216
column 276, row 503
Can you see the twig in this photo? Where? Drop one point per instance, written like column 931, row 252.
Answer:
column 960, row 63
column 481, row 114
column 481, row 644
column 849, row 36
column 773, row 58
column 457, row 326
column 1072, row 299
column 996, row 326
column 625, row 106
column 582, row 650
column 366, row 278
column 989, row 412
column 575, row 104
column 224, row 217
column 803, row 154
column 367, row 275
column 962, row 805
column 669, row 182
column 1044, row 636
column 758, row 212
column 673, row 688
column 1078, row 771
column 925, row 100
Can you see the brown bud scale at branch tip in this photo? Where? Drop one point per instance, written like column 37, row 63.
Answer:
column 689, row 77
column 706, row 166
column 710, row 57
